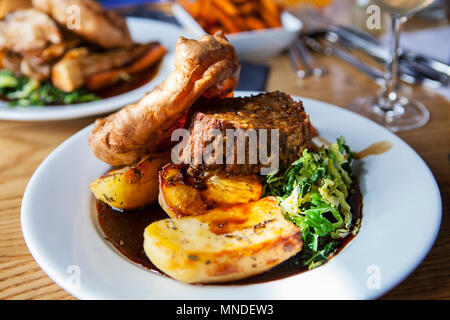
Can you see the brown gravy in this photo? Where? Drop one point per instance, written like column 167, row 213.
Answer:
column 125, row 230
column 375, row 148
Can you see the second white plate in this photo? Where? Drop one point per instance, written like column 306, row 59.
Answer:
column 142, row 30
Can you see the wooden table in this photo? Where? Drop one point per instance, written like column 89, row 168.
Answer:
column 25, row 145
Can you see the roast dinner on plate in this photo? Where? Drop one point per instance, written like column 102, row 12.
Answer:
column 206, row 187
column 57, row 52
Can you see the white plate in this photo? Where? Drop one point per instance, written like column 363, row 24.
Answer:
column 401, row 218
column 142, row 30
column 250, row 45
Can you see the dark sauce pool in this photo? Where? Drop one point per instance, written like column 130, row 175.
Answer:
column 125, row 230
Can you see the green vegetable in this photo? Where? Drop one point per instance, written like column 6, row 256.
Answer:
column 312, row 194
column 7, row 80
column 22, row 91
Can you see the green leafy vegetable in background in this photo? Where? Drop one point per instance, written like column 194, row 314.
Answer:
column 312, row 194
column 22, row 91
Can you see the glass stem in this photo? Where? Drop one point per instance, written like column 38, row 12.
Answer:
column 390, row 93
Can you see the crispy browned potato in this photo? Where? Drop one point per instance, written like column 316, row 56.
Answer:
column 133, row 186
column 224, row 244
column 228, row 190
column 180, row 195
column 175, row 196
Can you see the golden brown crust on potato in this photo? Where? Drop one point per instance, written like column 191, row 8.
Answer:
column 224, row 244
column 183, row 195
column 133, row 186
column 206, row 66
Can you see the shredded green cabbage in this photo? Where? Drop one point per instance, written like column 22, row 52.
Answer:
column 312, row 194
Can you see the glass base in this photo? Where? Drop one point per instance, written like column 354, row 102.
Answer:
column 403, row 114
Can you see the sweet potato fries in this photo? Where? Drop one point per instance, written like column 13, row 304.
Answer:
column 232, row 16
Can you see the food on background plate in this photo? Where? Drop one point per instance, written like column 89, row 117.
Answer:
column 81, row 67
column 74, row 59
column 232, row 16
column 22, row 91
column 103, row 28
column 28, row 29
column 226, row 221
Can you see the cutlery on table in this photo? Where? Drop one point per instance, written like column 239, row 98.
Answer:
column 414, row 68
column 303, row 62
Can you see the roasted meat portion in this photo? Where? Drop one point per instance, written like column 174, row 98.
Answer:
column 89, row 20
column 206, row 66
column 211, row 120
column 28, row 29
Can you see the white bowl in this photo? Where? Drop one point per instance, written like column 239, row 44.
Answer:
column 250, row 45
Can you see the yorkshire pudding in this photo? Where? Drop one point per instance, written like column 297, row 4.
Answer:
column 208, row 66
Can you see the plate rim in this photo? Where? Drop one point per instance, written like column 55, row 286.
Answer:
column 80, row 295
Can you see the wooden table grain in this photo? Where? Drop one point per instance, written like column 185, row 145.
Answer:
column 24, row 145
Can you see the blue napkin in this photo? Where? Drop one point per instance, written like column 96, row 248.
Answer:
column 253, row 75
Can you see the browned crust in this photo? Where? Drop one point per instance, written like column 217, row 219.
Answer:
column 273, row 110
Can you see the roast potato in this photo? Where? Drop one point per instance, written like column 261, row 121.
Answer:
column 177, row 197
column 133, row 186
column 182, row 195
column 227, row 190
column 224, row 244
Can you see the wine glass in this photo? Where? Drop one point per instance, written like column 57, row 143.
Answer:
column 390, row 109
